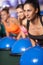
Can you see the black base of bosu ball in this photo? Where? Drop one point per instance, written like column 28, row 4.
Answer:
column 7, row 59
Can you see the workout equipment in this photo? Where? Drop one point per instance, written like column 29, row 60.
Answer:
column 21, row 46
column 7, row 42
column 33, row 56
column 5, row 57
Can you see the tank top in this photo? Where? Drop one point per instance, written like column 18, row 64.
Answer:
column 37, row 37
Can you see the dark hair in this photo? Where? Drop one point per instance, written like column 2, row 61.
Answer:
column 20, row 6
column 6, row 9
column 35, row 4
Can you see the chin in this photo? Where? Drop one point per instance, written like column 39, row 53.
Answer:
column 28, row 19
column 21, row 17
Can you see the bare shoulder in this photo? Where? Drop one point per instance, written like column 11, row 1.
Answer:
column 14, row 20
column 24, row 22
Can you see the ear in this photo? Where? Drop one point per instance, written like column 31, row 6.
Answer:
column 36, row 10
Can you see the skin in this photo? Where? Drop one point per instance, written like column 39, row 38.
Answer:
column 4, row 15
column 35, row 26
column 20, row 13
column 6, row 18
column 21, row 18
column 29, row 11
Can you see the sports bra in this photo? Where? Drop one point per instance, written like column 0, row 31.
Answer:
column 37, row 37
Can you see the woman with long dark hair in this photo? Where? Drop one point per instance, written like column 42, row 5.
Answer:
column 22, row 21
column 34, row 22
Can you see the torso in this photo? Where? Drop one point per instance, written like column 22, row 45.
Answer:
column 36, row 29
column 36, row 32
column 11, row 25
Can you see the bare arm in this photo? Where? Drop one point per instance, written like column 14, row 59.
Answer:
column 21, row 34
column 7, row 34
column 33, row 42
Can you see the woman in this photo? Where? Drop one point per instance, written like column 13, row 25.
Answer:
column 34, row 22
column 21, row 19
column 11, row 24
column 2, row 30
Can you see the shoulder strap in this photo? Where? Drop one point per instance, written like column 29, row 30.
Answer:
column 41, row 20
column 28, row 25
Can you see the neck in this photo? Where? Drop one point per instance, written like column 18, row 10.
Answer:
column 20, row 20
column 35, row 20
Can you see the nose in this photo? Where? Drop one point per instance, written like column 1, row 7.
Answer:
column 26, row 13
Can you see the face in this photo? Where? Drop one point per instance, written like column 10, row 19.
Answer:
column 20, row 13
column 29, row 11
column 4, row 15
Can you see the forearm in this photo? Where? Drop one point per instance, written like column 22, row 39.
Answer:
column 33, row 42
column 21, row 34
column 7, row 34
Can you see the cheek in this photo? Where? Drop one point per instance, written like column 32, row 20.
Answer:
column 18, row 15
column 31, row 14
column 21, row 15
column 4, row 17
column 25, row 13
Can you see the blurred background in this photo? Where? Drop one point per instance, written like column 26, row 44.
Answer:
column 13, row 3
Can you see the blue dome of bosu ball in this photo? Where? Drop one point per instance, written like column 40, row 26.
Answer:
column 33, row 56
column 7, row 42
column 20, row 46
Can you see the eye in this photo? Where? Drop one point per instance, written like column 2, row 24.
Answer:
column 24, row 10
column 27, row 10
column 20, row 11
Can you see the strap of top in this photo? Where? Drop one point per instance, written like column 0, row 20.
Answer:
column 28, row 25
column 41, row 20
